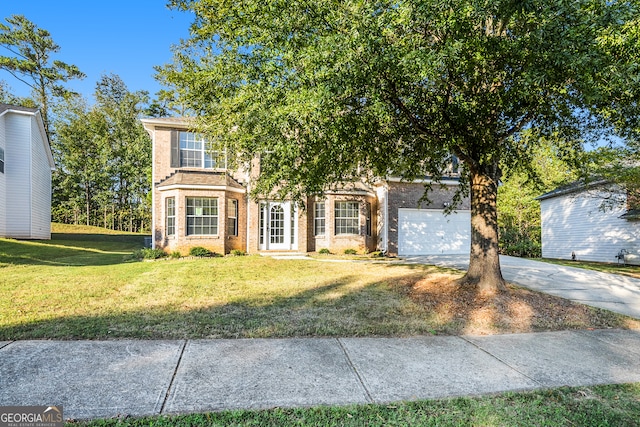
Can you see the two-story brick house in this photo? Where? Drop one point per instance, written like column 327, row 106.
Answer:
column 198, row 201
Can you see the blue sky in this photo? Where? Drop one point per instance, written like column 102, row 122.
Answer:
column 126, row 38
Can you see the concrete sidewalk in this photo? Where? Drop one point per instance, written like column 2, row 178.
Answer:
column 98, row 379
column 614, row 292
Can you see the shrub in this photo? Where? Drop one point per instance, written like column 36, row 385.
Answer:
column 377, row 254
column 324, row 251
column 527, row 249
column 175, row 254
column 199, row 251
column 238, row 252
column 148, row 253
column 350, row 252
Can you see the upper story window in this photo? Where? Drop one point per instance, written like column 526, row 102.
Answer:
column 453, row 166
column 1, row 160
column 196, row 152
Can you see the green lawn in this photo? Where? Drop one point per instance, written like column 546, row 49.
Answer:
column 83, row 286
column 610, row 405
column 615, row 268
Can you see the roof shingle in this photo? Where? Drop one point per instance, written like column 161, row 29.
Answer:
column 200, row 178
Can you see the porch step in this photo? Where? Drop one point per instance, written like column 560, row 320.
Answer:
column 286, row 255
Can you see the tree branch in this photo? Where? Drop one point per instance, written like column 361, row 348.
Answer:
column 13, row 51
column 517, row 127
column 23, row 81
column 395, row 100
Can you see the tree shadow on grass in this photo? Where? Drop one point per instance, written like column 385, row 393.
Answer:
column 335, row 308
column 464, row 310
column 69, row 249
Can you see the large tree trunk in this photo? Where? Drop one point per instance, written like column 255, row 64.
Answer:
column 484, row 263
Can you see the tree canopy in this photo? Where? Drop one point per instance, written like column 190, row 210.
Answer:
column 30, row 49
column 337, row 89
column 519, row 219
column 104, row 159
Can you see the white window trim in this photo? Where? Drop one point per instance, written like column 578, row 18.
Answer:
column 167, row 216
column 204, row 153
column 234, row 204
column 202, row 187
column 316, row 218
column 336, row 218
column 217, row 217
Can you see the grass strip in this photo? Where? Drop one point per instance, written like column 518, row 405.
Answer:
column 606, row 405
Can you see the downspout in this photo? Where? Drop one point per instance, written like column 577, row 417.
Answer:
column 248, row 205
column 153, row 190
column 385, row 232
column 382, row 193
column 31, row 120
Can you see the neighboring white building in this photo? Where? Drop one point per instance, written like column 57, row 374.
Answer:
column 25, row 174
column 575, row 223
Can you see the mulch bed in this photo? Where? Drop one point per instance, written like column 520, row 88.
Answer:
column 463, row 310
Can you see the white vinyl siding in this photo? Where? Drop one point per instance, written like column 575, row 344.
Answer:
column 18, row 175
column 431, row 232
column 25, row 185
column 576, row 224
column 3, row 178
column 40, row 186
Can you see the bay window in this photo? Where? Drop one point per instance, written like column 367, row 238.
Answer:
column 347, row 218
column 202, row 216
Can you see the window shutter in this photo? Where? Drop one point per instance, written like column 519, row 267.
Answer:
column 175, row 149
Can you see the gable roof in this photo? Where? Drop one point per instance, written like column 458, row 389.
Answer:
column 5, row 107
column 573, row 187
column 35, row 113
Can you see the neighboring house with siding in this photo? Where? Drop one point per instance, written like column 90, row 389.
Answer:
column 26, row 164
column 199, row 201
column 578, row 223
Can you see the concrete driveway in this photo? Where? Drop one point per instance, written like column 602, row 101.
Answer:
column 609, row 291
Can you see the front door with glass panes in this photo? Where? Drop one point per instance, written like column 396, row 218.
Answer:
column 278, row 226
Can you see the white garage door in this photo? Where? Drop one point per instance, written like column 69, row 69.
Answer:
column 431, row 232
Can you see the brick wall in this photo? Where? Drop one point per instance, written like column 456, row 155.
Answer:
column 338, row 243
column 161, row 169
column 220, row 243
